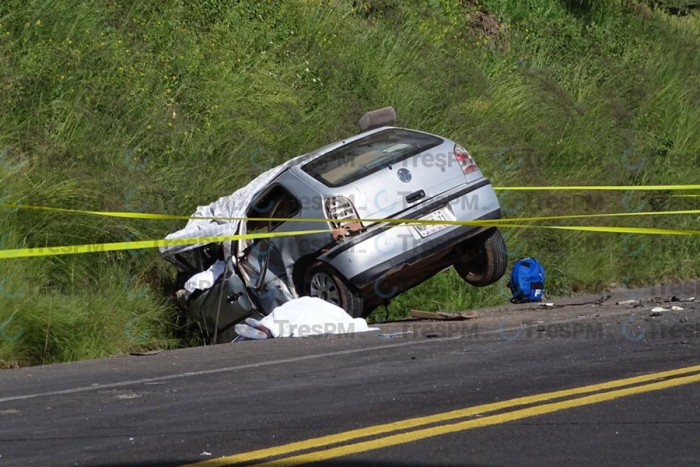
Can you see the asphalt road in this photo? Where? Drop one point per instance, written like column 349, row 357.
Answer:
column 581, row 384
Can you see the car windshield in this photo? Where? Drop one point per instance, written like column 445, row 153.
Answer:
column 368, row 155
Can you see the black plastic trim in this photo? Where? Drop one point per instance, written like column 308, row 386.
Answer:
column 422, row 211
column 446, row 241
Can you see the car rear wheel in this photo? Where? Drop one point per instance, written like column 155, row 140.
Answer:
column 324, row 282
column 487, row 260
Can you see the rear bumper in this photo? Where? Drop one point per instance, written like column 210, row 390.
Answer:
column 387, row 248
column 425, row 250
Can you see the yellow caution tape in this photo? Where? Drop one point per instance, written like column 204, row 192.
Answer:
column 624, row 230
column 149, row 216
column 498, row 222
column 592, row 216
column 600, row 188
column 121, row 246
column 124, row 215
column 507, row 223
column 138, row 245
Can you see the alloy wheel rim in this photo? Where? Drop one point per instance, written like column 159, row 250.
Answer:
column 323, row 287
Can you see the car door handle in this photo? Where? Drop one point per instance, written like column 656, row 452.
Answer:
column 413, row 197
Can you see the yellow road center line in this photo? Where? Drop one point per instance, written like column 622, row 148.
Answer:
column 351, row 435
column 418, row 435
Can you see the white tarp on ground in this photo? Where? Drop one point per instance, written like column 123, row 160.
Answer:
column 303, row 317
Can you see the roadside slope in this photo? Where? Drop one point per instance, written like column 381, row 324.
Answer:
column 163, row 106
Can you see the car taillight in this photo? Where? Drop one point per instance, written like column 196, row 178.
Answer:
column 465, row 160
column 343, row 217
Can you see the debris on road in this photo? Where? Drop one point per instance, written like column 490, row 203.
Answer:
column 442, row 315
column 628, row 302
column 603, row 299
column 676, row 299
column 597, row 302
column 146, row 354
column 658, row 311
column 394, row 334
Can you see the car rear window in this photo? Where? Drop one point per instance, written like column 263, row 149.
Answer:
column 368, row 155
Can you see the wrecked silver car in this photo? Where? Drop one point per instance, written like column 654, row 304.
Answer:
column 359, row 261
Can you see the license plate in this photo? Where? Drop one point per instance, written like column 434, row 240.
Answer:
column 426, row 230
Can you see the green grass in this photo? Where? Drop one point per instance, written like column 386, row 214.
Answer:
column 163, row 105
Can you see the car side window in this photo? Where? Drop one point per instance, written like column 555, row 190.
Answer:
column 277, row 203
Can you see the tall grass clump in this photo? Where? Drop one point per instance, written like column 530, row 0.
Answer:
column 151, row 106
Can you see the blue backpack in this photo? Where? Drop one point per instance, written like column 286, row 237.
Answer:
column 527, row 281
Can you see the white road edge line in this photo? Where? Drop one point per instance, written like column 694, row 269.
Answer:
column 257, row 365
column 119, row 384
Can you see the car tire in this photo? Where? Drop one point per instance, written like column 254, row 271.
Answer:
column 326, row 283
column 488, row 260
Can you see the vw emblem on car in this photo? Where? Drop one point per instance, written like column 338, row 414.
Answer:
column 404, row 175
